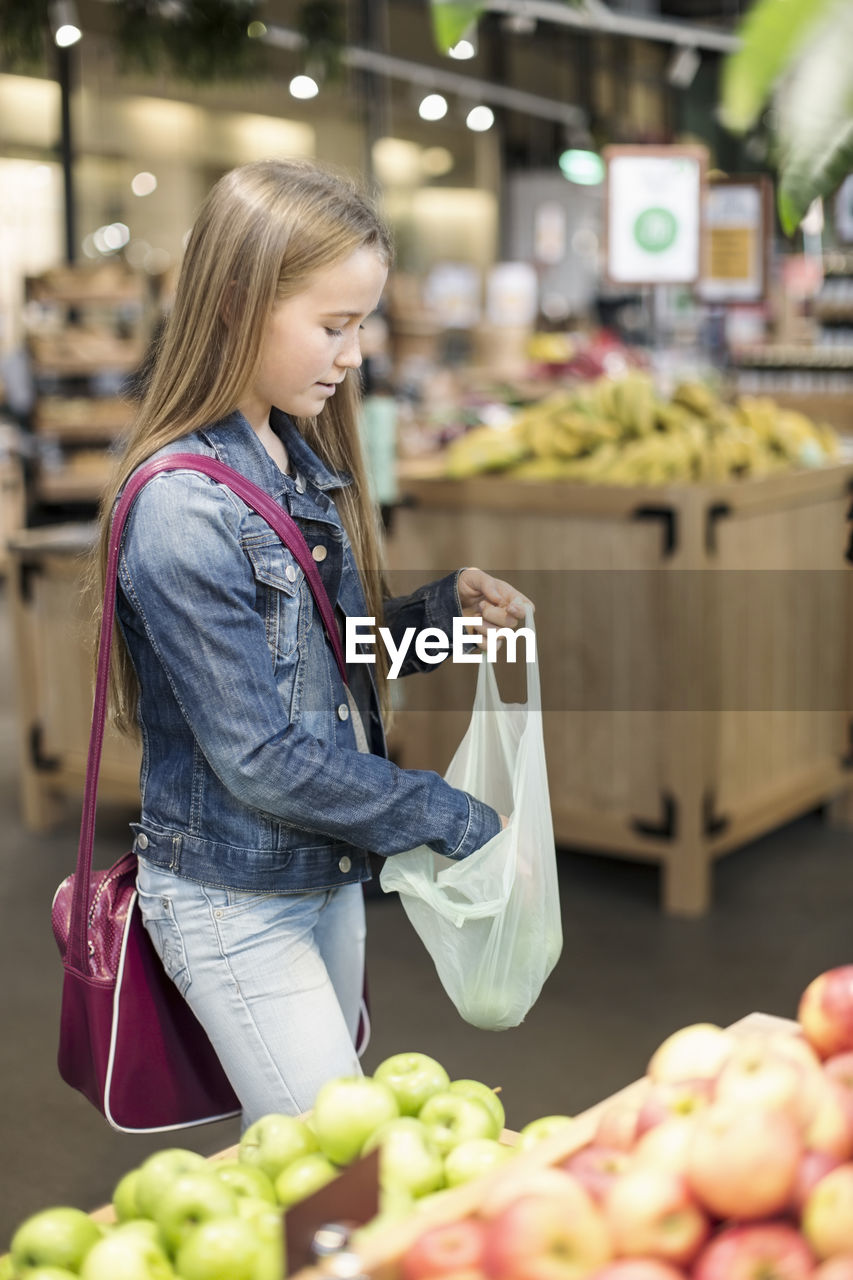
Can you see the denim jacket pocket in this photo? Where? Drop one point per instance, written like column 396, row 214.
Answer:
column 279, row 572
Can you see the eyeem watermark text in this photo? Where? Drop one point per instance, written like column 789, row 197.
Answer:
column 433, row 645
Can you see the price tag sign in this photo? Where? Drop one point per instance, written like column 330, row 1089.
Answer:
column 655, row 214
column 737, row 228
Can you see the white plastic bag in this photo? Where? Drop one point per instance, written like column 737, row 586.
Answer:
column 491, row 922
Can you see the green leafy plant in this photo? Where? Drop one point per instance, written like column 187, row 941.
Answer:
column 23, row 28
column 204, row 40
column 797, row 54
column 322, row 25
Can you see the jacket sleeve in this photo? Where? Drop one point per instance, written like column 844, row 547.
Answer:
column 184, row 573
column 435, row 604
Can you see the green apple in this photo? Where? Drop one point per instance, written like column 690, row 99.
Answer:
column 221, row 1249
column 7, row 1268
column 269, row 1232
column 414, row 1077
column 42, row 1273
column 126, row 1255
column 539, row 1129
column 471, row 1159
column 273, row 1141
column 245, row 1179
column 124, row 1197
column 452, row 1118
column 408, row 1159
column 145, row 1227
column 347, row 1111
column 302, row 1177
column 59, row 1237
column 486, row 1095
column 158, row 1171
column 192, row 1198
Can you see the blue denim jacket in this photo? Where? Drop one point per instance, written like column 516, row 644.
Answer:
column 251, row 778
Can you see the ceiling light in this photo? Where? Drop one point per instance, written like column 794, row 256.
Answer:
column 304, row 87
column 64, row 23
column 480, row 119
column 142, row 184
column 433, row 107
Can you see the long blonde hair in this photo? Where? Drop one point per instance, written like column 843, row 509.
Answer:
column 262, row 232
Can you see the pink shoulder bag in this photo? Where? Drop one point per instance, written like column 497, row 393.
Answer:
column 127, row 1039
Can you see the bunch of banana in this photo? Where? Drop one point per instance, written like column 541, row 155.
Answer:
column 485, row 449
column 618, row 431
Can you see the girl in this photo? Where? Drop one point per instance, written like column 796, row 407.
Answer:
column 265, row 780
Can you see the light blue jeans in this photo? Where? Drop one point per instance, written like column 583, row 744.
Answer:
column 274, row 979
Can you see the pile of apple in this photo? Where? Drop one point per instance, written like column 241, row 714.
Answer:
column 179, row 1215
column 731, row 1160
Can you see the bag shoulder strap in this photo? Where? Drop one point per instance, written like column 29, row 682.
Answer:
column 286, row 528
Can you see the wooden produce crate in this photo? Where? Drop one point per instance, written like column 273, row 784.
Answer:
column 695, row 647
column 51, row 619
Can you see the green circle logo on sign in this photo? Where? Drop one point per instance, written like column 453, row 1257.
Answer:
column 655, row 230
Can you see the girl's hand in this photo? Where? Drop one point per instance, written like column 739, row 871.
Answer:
column 495, row 601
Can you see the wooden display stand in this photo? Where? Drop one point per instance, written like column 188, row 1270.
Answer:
column 51, row 618
column 695, row 646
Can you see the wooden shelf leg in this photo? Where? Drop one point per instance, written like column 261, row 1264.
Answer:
column 686, row 888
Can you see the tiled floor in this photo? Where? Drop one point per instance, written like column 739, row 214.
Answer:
column 783, row 910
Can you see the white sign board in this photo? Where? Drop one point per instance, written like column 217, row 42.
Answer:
column 654, row 214
column 844, row 210
column 736, row 245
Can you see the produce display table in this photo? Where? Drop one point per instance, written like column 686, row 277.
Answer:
column 695, row 648
column 379, row 1252
column 51, row 619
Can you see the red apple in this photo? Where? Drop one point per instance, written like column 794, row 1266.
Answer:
column 448, row 1249
column 666, row 1145
column 840, row 1067
column 651, row 1213
column 831, row 1127
column 743, row 1163
column 638, row 1269
column 596, row 1167
column 694, row 1052
column 838, row 1268
column 827, row 1217
column 825, row 1011
column 617, row 1123
column 757, row 1075
column 757, row 1251
column 540, row 1238
column 813, row 1166
column 670, row 1098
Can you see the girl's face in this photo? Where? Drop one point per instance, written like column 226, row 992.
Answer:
column 312, row 339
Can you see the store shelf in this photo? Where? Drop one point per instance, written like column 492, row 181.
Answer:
column 72, row 484
column 86, row 333
column 82, row 418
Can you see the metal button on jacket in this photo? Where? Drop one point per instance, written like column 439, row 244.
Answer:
column 345, row 864
column 142, row 841
column 290, row 573
column 319, row 552
column 343, row 711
